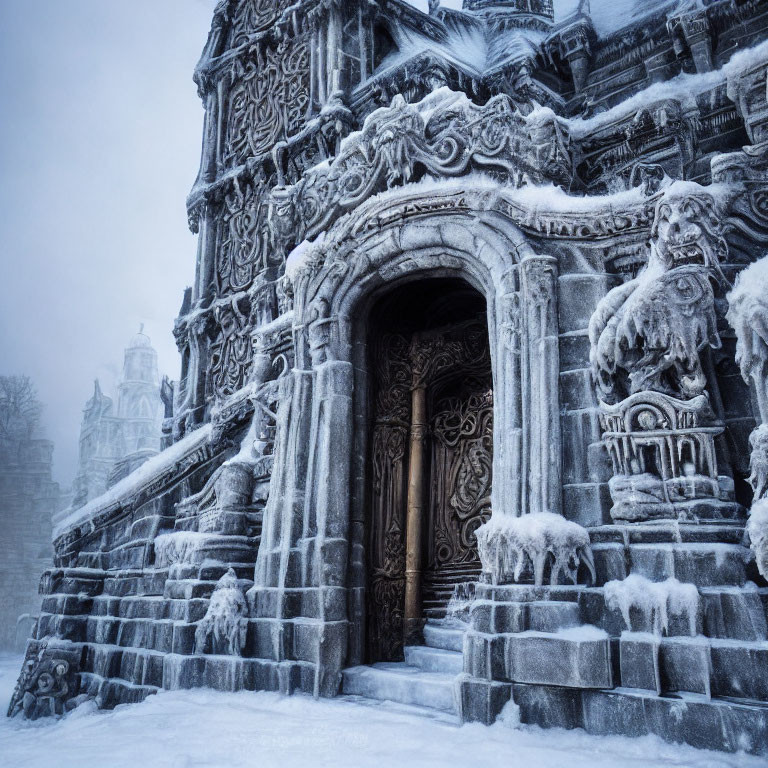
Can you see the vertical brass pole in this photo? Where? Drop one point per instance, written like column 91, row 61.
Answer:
column 414, row 620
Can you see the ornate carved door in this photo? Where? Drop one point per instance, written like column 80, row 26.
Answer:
column 446, row 374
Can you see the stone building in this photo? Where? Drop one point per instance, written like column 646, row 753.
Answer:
column 473, row 373
column 28, row 498
column 115, row 440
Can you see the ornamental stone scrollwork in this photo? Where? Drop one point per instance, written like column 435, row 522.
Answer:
column 231, row 350
column 242, row 251
column 444, row 135
column 646, row 338
column 47, row 684
column 252, row 16
column 268, row 101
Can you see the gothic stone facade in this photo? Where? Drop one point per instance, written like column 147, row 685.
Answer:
column 467, row 319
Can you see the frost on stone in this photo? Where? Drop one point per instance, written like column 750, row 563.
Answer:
column 748, row 315
column 221, row 629
column 653, row 602
column 511, row 546
column 460, row 603
column 178, row 547
column 758, row 534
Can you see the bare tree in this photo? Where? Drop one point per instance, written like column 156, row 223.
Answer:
column 19, row 408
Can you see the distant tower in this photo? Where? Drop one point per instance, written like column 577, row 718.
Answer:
column 115, row 441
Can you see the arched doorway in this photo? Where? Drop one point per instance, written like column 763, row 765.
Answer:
column 430, row 455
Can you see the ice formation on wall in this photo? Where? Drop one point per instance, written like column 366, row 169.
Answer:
column 221, row 630
column 654, row 601
column 508, row 546
column 758, row 534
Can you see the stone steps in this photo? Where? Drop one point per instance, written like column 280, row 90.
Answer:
column 403, row 684
column 434, row 659
column 427, row 678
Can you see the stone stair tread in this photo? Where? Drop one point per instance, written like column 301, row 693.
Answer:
column 434, row 659
column 448, row 638
column 401, row 683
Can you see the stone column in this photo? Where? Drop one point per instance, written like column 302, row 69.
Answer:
column 541, row 382
column 415, row 515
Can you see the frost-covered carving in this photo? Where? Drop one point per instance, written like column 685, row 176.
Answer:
column 510, row 547
column 646, row 335
column 663, row 455
column 47, row 683
column 647, row 606
column 251, row 16
column 446, row 134
column 269, row 100
column 222, row 630
column 242, row 251
column 645, row 342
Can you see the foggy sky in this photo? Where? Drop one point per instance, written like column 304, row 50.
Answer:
column 100, row 130
column 100, row 141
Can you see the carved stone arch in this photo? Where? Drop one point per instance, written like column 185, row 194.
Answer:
column 314, row 514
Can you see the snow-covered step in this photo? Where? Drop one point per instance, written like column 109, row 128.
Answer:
column 403, row 684
column 434, row 659
column 440, row 636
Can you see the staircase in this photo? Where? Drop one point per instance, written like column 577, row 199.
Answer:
column 426, row 680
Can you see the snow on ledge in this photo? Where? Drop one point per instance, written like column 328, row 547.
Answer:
column 507, row 544
column 681, row 87
column 655, row 601
column 131, row 484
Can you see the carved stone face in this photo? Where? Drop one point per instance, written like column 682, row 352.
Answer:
column 687, row 232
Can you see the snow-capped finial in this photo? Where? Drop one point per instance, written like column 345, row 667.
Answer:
column 584, row 7
column 434, row 5
column 141, row 327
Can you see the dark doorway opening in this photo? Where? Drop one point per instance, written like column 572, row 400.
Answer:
column 430, row 455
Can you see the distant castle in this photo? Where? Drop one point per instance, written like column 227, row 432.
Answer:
column 116, row 440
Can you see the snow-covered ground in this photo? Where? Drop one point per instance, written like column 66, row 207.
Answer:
column 206, row 729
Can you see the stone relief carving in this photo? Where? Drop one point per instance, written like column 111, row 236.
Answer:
column 250, row 16
column 646, row 337
column 268, row 101
column 231, row 350
column 242, row 250
column 646, row 334
column 446, row 134
column 47, row 684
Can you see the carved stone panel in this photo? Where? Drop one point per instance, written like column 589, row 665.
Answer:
column 268, row 100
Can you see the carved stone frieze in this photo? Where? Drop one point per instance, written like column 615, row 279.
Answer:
column 447, row 135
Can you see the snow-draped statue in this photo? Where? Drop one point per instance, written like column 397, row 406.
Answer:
column 748, row 315
column 221, row 629
column 646, row 334
column 647, row 337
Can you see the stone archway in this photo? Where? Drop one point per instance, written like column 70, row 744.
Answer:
column 313, row 541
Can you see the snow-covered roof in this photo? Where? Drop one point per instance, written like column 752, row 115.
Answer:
column 611, row 16
column 470, row 44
